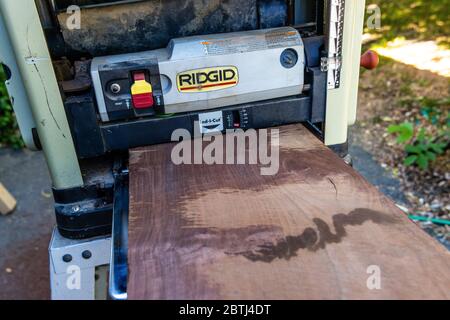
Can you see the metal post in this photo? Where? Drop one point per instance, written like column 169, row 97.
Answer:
column 33, row 59
column 342, row 101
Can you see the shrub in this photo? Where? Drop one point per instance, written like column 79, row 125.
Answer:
column 426, row 138
column 9, row 131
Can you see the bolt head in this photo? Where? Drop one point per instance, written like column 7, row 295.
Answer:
column 67, row 258
column 86, row 254
column 115, row 88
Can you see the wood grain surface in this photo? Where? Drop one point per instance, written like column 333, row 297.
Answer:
column 316, row 230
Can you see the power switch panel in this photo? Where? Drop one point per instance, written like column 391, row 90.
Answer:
column 141, row 92
column 127, row 90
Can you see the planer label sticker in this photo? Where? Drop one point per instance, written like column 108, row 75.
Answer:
column 269, row 39
column 211, row 122
column 207, row 79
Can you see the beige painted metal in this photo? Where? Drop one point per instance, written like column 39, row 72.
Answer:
column 342, row 102
column 33, row 59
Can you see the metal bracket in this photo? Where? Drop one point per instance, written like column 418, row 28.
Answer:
column 327, row 64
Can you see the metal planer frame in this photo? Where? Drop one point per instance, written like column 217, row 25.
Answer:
column 85, row 171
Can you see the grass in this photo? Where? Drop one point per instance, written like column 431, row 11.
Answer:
column 413, row 19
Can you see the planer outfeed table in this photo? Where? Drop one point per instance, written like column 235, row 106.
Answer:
column 316, row 230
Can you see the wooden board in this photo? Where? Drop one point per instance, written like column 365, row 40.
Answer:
column 316, row 230
column 7, row 201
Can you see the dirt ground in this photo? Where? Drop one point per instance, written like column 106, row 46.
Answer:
column 25, row 235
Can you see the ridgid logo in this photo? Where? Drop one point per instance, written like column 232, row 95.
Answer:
column 208, row 79
column 236, row 147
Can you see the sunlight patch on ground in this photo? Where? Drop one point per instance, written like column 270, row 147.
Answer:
column 423, row 55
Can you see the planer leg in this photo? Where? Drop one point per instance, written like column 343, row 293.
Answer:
column 78, row 268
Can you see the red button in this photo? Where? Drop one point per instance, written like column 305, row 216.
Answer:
column 139, row 76
column 143, row 101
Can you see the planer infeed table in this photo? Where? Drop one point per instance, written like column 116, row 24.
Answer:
column 103, row 87
column 315, row 230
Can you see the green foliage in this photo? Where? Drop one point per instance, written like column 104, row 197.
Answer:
column 421, row 148
column 404, row 131
column 9, row 132
column 423, row 151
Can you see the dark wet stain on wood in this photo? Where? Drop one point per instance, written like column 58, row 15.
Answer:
column 312, row 239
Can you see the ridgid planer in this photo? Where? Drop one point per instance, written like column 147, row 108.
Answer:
column 92, row 79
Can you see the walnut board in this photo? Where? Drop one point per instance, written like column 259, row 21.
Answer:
column 316, row 230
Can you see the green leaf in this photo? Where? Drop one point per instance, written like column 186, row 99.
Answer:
column 437, row 147
column 393, row 128
column 422, row 161
column 431, row 156
column 403, row 138
column 410, row 160
column 405, row 131
column 423, row 146
column 421, row 136
column 412, row 149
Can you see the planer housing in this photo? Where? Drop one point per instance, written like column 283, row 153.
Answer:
column 203, row 72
